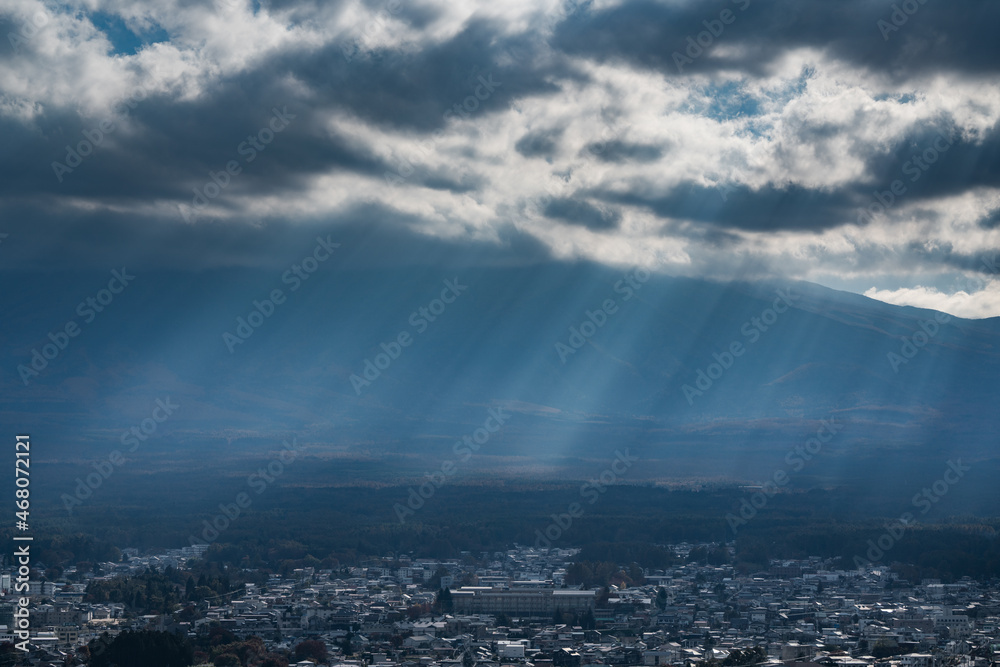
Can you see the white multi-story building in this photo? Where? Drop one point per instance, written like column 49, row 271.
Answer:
column 521, row 602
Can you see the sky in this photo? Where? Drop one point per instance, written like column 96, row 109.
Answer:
column 852, row 143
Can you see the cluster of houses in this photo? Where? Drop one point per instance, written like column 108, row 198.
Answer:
column 516, row 609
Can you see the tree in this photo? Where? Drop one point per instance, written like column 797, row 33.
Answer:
column 149, row 592
column 443, row 603
column 143, row 649
column 635, row 575
column 8, row 654
column 884, row 648
column 219, row 635
column 202, row 593
column 749, row 656
column 661, row 598
column 249, row 651
column 227, row 660
column 311, row 649
column 435, row 580
column 414, row 612
column 188, row 614
column 345, row 643
column 720, row 590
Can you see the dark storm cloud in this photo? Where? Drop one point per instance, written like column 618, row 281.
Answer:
column 171, row 146
column 739, row 207
column 928, row 163
column 918, row 258
column 372, row 236
column 163, row 148
column 585, row 214
column 540, row 143
column 414, row 14
column 712, row 237
column 623, row 151
column 937, row 37
column 414, row 91
column 991, row 220
column 168, row 147
column 358, row 112
column 937, row 161
column 909, row 257
column 463, row 184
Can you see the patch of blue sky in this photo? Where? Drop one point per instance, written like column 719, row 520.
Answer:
column 126, row 40
column 905, row 98
column 729, row 101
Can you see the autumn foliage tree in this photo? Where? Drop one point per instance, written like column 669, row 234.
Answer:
column 310, row 649
column 142, row 649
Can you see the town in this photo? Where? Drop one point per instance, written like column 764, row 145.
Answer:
column 523, row 607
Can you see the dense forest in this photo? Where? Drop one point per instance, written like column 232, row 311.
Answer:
column 149, row 648
column 158, row 592
column 337, row 527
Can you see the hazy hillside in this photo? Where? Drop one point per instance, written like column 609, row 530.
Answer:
column 495, row 345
